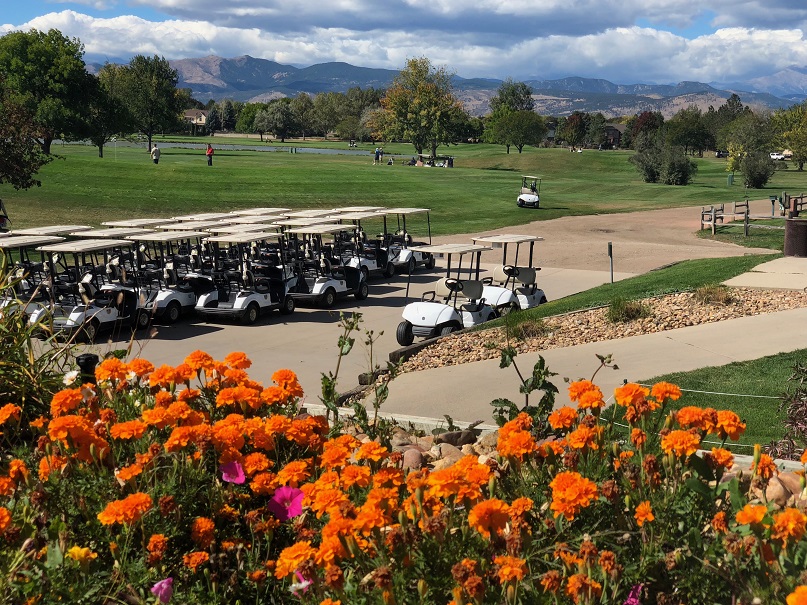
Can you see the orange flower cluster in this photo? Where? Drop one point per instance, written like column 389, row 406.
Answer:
column 126, row 511
column 489, row 517
column 571, row 492
column 515, row 440
column 511, row 569
column 644, row 513
column 788, row 525
column 563, row 418
column 766, row 467
column 752, row 514
column 202, row 531
column 77, row 432
column 680, row 443
column 9, row 411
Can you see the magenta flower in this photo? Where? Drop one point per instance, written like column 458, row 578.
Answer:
column 163, row 590
column 286, row 503
column 635, row 593
column 232, row 472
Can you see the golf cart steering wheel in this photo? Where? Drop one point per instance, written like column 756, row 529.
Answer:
column 454, row 285
column 510, row 271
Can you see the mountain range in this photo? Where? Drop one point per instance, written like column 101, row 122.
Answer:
column 246, row 78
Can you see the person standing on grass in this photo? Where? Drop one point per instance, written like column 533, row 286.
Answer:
column 209, row 154
column 155, row 154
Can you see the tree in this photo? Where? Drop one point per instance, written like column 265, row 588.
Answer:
column 420, row 106
column 328, row 111
column 688, row 129
column 512, row 96
column 595, row 130
column 525, row 127
column 262, row 123
column 791, row 131
column 150, row 93
column 108, row 116
column 47, row 74
column 645, row 123
column 757, row 169
column 281, row 118
column 659, row 162
column 574, row 129
column 228, row 117
column 246, row 118
column 21, row 153
column 303, row 108
column 747, row 134
column 213, row 122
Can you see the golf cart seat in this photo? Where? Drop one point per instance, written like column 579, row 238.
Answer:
column 467, row 293
column 510, row 275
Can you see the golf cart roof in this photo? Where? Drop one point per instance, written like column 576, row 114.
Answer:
column 244, row 238
column 507, row 238
column 304, row 222
column 319, row 229
column 531, row 177
column 20, row 241
column 209, row 216
column 313, row 212
column 240, row 228
column 191, row 225
column 404, row 211
column 258, row 211
column 137, row 222
column 360, row 209
column 451, row 248
column 52, row 230
column 355, row 216
column 86, row 245
column 254, row 219
column 167, row 236
column 111, row 233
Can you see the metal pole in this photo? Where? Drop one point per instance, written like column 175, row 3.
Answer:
column 611, row 259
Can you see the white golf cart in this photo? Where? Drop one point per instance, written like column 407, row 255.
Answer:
column 370, row 257
column 323, row 276
column 259, row 211
column 456, row 301
column 245, row 288
column 25, row 285
column 512, row 287
column 92, row 289
column 399, row 244
column 530, row 194
column 149, row 223
column 169, row 272
column 60, row 230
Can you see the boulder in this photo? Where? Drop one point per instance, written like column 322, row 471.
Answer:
column 413, row 459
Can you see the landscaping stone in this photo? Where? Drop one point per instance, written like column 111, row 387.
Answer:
column 413, row 460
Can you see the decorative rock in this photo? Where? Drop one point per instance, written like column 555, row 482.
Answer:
column 401, row 437
column 413, row 459
column 792, row 482
column 456, row 438
column 777, row 493
column 468, row 450
column 487, row 443
column 449, row 451
column 425, row 443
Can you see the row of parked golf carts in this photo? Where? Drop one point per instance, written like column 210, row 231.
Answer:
column 75, row 280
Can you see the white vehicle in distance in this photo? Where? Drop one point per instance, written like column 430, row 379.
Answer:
column 530, row 194
column 323, row 277
column 512, row 287
column 402, row 250
column 245, row 288
column 777, row 155
column 455, row 303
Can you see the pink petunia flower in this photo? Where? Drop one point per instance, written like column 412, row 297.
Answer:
column 232, row 472
column 286, row 503
column 163, row 590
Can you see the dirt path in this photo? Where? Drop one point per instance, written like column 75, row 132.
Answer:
column 641, row 240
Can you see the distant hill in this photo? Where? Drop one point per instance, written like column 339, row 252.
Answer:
column 249, row 79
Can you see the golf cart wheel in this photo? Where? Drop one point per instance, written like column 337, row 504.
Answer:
column 252, row 313
column 411, row 265
column 172, row 312
column 542, row 301
column 389, row 270
column 507, row 309
column 365, row 272
column 492, row 315
column 431, row 262
column 446, row 330
column 89, row 331
column 328, row 299
column 404, row 334
column 142, row 320
column 288, row 306
column 363, row 291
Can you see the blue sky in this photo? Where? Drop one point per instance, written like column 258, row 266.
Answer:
column 625, row 41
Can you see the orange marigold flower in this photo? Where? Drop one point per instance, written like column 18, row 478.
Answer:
column 551, row 581
column 10, row 411
column 294, row 473
column 126, row 511
column 563, row 418
column 690, row 417
column 162, row 399
column 582, row 437
column 140, row 367
column 264, row 484
column 719, row 523
column 721, row 458
column 17, row 471
column 255, row 462
column 373, row 451
column 157, row 545
column 591, row 400
column 751, row 514
column 65, row 401
column 681, row 443
column 110, row 369
column 237, row 360
column 516, row 444
column 273, row 395
column 644, row 513
column 638, row 437
column 630, row 394
column 7, row 486
column 729, row 425
column 164, row 376
column 129, row 472
column 157, row 417
column 520, row 507
column 133, row 429
column 202, row 531
column 356, row 475
column 199, row 360
column 48, row 464
column 576, row 389
column 571, row 492
column 292, row 557
column 665, row 390
column 193, row 560
column 5, row 519
column 510, row 568
column 804, row 457
column 330, row 602
column 607, row 561
column 580, row 586
column 766, row 468
column 184, row 373
column 287, row 380
column 489, row 516
column 798, row 596
column 790, row 524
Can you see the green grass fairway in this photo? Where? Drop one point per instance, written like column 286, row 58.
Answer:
column 478, row 195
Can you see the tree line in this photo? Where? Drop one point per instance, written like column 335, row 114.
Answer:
column 47, row 93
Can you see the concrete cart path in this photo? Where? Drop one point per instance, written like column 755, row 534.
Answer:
column 788, row 273
column 464, row 392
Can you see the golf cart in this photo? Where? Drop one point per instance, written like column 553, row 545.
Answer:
column 259, row 211
column 92, row 289
column 169, row 272
column 245, row 288
column 60, row 230
column 397, row 244
column 455, row 303
column 530, row 194
column 24, row 286
column 206, row 216
column 512, row 287
column 149, row 223
column 367, row 256
column 323, row 276
column 5, row 222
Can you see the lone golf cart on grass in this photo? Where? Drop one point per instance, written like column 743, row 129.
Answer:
column 455, row 303
column 92, row 290
column 402, row 250
column 243, row 288
column 323, row 277
column 512, row 287
column 530, row 194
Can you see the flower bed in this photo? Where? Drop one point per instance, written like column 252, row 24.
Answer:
column 195, row 484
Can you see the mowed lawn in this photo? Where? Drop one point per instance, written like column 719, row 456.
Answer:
column 477, row 195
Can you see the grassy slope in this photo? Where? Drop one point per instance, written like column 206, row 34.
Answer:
column 479, row 194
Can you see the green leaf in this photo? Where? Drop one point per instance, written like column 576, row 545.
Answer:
column 55, row 557
column 699, row 487
column 737, row 500
column 701, row 467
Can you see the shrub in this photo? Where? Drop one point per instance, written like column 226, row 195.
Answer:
column 713, row 295
column 529, row 328
column 676, row 167
column 622, row 311
column 757, row 169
